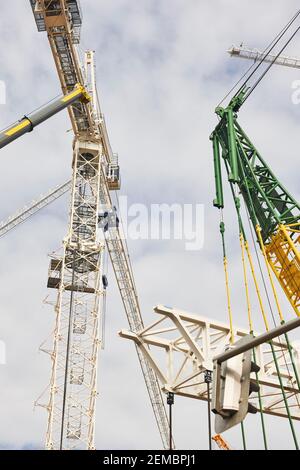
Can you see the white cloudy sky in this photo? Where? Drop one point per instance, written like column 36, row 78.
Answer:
column 162, row 69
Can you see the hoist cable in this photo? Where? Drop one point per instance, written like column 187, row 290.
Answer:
column 265, row 52
column 271, row 46
column 236, row 201
column 281, row 345
column 225, row 264
column 271, row 64
column 263, row 249
column 262, row 418
column 284, row 397
column 243, row 436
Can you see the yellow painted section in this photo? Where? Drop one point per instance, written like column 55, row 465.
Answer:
column 72, row 95
column 242, row 243
column 79, row 91
column 262, row 309
column 225, row 263
column 263, row 249
column 283, row 254
column 18, row 127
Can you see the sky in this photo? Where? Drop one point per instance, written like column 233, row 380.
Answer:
column 162, row 68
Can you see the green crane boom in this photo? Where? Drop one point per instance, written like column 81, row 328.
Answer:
column 274, row 213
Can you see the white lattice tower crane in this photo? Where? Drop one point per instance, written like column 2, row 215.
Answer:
column 257, row 56
column 77, row 273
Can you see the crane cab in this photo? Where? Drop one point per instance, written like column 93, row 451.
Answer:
column 113, row 174
column 51, row 14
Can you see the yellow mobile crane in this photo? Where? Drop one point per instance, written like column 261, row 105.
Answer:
column 28, row 123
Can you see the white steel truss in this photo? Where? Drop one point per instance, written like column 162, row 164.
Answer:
column 77, row 276
column 61, row 19
column 31, row 209
column 257, row 56
column 183, row 346
column 118, row 252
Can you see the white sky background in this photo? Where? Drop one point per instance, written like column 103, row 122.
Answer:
column 162, row 69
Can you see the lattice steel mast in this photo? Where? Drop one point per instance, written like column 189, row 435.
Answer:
column 77, row 274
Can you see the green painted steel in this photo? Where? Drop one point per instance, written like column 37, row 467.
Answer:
column 268, row 202
column 219, row 201
column 243, row 436
column 262, row 419
column 284, row 397
column 232, row 147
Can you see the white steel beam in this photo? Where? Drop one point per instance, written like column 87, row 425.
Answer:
column 183, row 346
column 32, row 208
column 257, row 56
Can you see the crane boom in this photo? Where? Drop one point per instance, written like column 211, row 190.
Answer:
column 35, row 206
column 61, row 19
column 28, row 123
column 257, row 56
column 274, row 213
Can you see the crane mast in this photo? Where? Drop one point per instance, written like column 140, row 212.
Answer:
column 77, row 274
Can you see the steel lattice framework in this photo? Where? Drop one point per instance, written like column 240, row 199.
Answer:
column 77, row 276
column 190, row 342
column 32, row 208
column 274, row 213
column 257, row 56
column 71, row 414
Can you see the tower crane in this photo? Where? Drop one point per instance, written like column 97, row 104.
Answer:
column 257, row 56
column 77, row 273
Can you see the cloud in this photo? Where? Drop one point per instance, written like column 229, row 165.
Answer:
column 162, row 68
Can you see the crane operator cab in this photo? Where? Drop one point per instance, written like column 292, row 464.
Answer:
column 113, row 173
